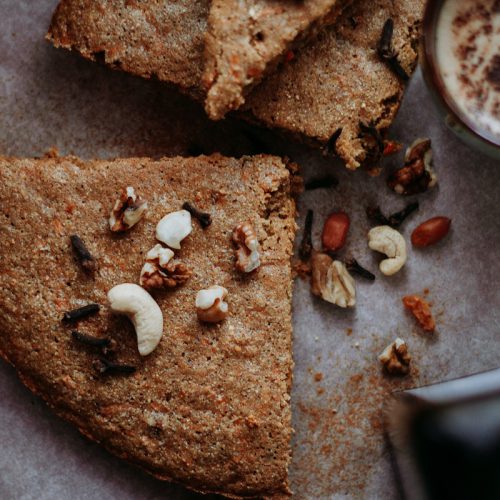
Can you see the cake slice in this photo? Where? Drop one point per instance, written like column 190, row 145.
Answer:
column 332, row 94
column 210, row 406
column 338, row 94
column 246, row 39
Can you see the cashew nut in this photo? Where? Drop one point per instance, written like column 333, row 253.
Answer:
column 173, row 228
column 210, row 305
column 385, row 239
column 146, row 316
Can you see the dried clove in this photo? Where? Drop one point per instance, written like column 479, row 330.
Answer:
column 203, row 218
column 326, row 182
column 376, row 215
column 386, row 51
column 330, row 147
column 353, row 266
column 394, row 220
column 84, row 256
column 83, row 338
column 103, row 365
column 81, row 312
column 305, row 248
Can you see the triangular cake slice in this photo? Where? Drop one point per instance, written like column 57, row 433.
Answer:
column 246, row 39
column 328, row 95
column 209, row 407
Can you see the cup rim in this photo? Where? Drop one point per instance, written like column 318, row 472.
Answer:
column 429, row 26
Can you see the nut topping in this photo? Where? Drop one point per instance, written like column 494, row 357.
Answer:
column 430, row 232
column 142, row 310
column 417, row 175
column 335, row 231
column 173, row 228
column 127, row 212
column 386, row 240
column 161, row 271
column 331, row 281
column 247, row 248
column 210, row 305
column 421, row 310
column 395, row 358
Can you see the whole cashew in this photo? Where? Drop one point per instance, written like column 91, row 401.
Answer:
column 146, row 316
column 387, row 240
column 173, row 228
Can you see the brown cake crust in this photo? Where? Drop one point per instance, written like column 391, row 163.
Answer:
column 246, row 39
column 331, row 85
column 210, row 407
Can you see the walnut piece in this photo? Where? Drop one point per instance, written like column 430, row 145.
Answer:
column 247, row 248
column 160, row 271
column 127, row 211
column 210, row 304
column 331, row 281
column 417, row 175
column 395, row 358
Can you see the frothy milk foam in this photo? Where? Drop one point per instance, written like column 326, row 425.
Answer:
column 468, row 55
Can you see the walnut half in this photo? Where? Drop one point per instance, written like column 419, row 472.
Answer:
column 161, row 271
column 127, row 211
column 395, row 358
column 331, row 281
column 247, row 248
column 417, row 175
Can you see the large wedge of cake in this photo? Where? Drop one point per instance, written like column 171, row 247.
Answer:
column 210, row 406
column 326, row 95
column 246, row 39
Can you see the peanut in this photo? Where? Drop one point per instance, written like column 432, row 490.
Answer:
column 335, row 231
column 430, row 231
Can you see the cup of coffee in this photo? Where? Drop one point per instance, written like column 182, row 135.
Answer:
column 461, row 64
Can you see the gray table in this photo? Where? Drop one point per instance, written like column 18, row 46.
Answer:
column 53, row 98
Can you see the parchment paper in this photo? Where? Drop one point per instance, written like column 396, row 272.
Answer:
column 53, row 98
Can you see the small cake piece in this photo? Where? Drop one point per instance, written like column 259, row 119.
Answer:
column 337, row 93
column 207, row 405
column 247, row 38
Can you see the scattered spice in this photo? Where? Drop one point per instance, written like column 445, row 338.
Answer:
column 353, row 266
column 421, row 310
column 81, row 312
column 318, row 377
column 103, row 365
column 332, row 142
column 305, row 248
column 84, row 256
column 376, row 215
column 386, row 51
column 326, row 182
column 203, row 218
column 90, row 340
column 394, row 220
